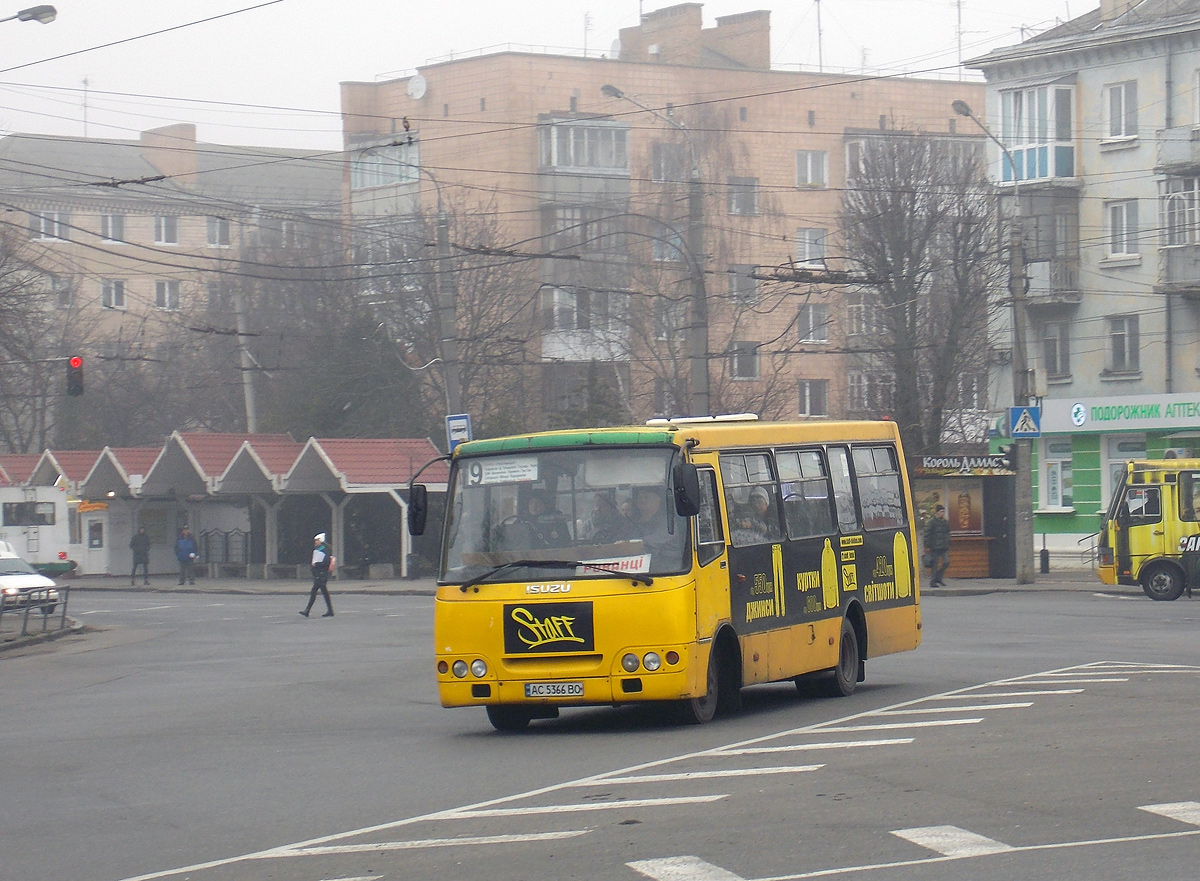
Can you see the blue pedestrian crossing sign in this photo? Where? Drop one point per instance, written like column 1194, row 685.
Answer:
column 1025, row 421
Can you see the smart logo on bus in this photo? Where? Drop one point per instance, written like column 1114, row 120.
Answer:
column 541, row 628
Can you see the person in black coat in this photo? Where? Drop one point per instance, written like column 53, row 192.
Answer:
column 322, row 561
column 140, row 546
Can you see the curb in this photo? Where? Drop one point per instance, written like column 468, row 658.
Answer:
column 73, row 628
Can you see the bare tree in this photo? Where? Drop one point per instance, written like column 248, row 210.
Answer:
column 918, row 223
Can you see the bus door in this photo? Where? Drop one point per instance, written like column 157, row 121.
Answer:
column 1139, row 528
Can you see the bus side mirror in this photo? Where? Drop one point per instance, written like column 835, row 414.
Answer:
column 418, row 508
column 686, row 479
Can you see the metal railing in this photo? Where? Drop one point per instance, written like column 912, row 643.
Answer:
column 45, row 608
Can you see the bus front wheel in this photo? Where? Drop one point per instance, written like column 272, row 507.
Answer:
column 509, row 718
column 845, row 675
column 699, row 710
column 1162, row 582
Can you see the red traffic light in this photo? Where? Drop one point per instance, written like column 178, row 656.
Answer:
column 76, row 362
column 75, row 375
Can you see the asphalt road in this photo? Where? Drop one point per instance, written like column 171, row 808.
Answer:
column 216, row 737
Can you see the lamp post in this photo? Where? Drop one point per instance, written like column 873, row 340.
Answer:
column 698, row 326
column 40, row 14
column 1017, row 286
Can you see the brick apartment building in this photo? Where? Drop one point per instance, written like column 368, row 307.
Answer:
column 587, row 164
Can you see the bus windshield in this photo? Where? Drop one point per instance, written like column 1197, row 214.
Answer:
column 608, row 507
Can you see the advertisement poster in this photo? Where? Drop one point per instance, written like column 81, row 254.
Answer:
column 963, row 500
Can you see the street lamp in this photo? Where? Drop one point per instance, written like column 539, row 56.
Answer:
column 1017, row 285
column 698, row 329
column 40, row 14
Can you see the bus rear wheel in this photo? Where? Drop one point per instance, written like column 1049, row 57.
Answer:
column 845, row 675
column 1162, row 582
column 509, row 718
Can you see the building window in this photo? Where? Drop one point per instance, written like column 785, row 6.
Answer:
column 1122, row 228
column 218, row 232
column 1056, row 349
column 166, row 294
column 861, row 317
column 1037, row 125
column 289, row 234
column 810, row 168
column 53, row 225
column 814, row 397
column 1123, row 344
column 112, row 227
column 743, row 286
column 669, row 317
column 1122, row 108
column 166, row 230
column 870, row 392
column 813, row 323
column 668, row 163
column 220, row 298
column 574, row 145
column 1059, row 490
column 972, row 391
column 664, row 398
column 810, row 245
column 385, row 165
column 668, row 250
column 743, row 360
column 1177, row 210
column 112, row 293
column 743, row 196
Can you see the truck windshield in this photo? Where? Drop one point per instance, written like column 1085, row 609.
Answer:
column 612, row 507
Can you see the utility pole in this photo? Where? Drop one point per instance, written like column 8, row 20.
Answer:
column 1017, row 288
column 448, row 314
column 247, row 361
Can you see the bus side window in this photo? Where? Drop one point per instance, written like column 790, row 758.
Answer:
column 1189, row 496
column 1144, row 504
column 710, row 538
column 843, row 489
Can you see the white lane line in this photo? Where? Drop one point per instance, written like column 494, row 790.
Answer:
column 581, row 808
column 152, row 608
column 798, row 747
column 682, row 869
column 978, row 708
column 358, row 878
column 418, row 844
column 1075, row 681
column 888, row 726
column 1029, row 693
column 952, row 841
column 1183, row 811
column 1080, row 674
column 702, row 775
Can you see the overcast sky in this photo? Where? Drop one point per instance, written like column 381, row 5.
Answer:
column 266, row 72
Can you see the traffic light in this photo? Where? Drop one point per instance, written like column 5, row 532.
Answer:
column 75, row 375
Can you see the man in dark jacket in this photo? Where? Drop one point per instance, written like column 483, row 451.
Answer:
column 322, row 561
column 185, row 553
column 140, row 546
column 937, row 545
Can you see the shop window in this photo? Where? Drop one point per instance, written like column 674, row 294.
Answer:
column 1060, row 492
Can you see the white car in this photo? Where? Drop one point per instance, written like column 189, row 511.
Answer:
column 21, row 585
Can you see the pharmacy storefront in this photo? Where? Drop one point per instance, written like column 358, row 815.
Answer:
column 1085, row 444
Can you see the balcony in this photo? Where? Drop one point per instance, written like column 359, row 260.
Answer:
column 1182, row 271
column 1053, row 282
column 1178, row 150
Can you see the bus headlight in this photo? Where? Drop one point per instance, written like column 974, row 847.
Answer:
column 630, row 662
column 652, row 661
column 459, row 669
column 479, row 668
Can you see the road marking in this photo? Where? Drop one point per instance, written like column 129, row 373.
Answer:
column 952, row 841
column 358, row 878
column 152, row 609
column 418, row 844
column 796, row 747
column 1083, row 675
column 1183, row 811
column 887, row 726
column 1076, row 681
column 682, row 869
column 978, row 708
column 1030, row 693
column 580, row 808
column 703, row 775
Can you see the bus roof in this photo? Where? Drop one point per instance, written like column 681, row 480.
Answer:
column 701, row 435
column 1165, row 464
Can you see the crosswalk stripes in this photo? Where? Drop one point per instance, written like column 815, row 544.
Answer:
column 682, row 869
column 951, row 841
column 1183, row 811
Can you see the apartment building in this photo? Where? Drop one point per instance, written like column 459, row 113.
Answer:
column 1099, row 117
column 679, row 198
column 132, row 235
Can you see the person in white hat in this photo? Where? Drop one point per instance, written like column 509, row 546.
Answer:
column 322, row 562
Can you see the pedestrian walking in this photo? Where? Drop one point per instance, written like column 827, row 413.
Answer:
column 140, row 546
column 185, row 553
column 322, row 565
column 937, row 546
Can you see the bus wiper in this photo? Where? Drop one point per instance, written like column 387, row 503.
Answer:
column 553, row 564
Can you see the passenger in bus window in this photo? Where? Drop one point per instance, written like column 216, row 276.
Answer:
column 549, row 525
column 649, row 519
column 605, row 524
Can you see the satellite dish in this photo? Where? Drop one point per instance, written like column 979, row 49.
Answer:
column 417, row 86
